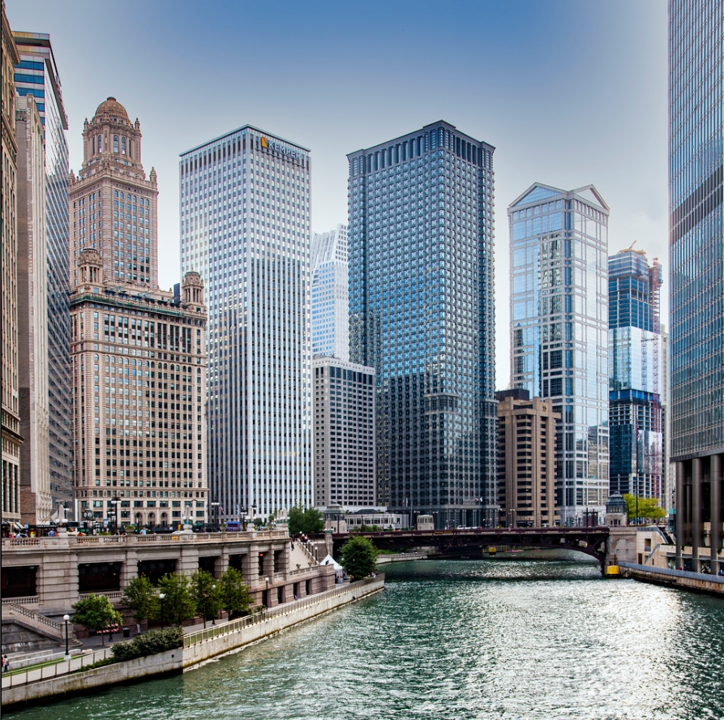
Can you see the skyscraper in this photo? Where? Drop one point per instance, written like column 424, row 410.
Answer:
column 245, row 227
column 696, row 247
column 37, row 74
column 139, row 353
column 36, row 504
column 344, row 433
column 114, row 205
column 421, row 313
column 330, row 294
column 559, row 331
column 11, row 438
column 636, row 386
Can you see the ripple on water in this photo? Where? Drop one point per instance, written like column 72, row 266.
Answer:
column 461, row 640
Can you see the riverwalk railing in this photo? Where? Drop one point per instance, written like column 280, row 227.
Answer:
column 240, row 624
column 13, row 679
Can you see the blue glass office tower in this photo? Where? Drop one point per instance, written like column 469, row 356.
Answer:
column 559, row 332
column 635, row 381
column 696, row 247
column 421, row 313
column 37, row 75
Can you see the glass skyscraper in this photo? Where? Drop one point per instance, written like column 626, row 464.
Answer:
column 421, row 313
column 330, row 294
column 559, row 331
column 245, row 227
column 37, row 75
column 696, row 246
column 636, row 385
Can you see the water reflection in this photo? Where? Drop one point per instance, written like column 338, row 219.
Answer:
column 475, row 639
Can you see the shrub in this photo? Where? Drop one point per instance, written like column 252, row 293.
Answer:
column 152, row 643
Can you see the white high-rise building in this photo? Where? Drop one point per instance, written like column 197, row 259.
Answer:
column 559, row 332
column 330, row 294
column 245, row 227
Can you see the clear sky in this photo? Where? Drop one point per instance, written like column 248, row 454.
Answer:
column 570, row 92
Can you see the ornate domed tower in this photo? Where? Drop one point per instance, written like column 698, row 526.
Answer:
column 113, row 206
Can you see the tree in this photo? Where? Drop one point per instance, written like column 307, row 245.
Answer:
column 645, row 509
column 359, row 556
column 95, row 613
column 235, row 596
column 206, row 594
column 305, row 521
column 177, row 604
column 141, row 597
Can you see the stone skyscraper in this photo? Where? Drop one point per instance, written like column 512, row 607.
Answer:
column 421, row 313
column 11, row 438
column 696, row 254
column 559, row 331
column 245, row 227
column 37, row 74
column 139, row 353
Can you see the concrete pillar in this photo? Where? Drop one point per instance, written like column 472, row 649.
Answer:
column 129, row 569
column 696, row 526
column 679, row 514
column 715, row 479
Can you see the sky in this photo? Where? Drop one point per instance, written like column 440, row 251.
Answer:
column 569, row 92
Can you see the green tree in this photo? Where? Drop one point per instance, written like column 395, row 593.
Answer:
column 177, row 604
column 206, row 593
column 141, row 597
column 647, row 509
column 305, row 521
column 235, row 596
column 95, row 613
column 359, row 556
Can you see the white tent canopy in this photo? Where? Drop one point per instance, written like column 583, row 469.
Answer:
column 329, row 560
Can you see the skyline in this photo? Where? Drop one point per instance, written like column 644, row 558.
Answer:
column 577, row 95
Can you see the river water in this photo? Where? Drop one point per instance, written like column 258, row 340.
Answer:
column 498, row 639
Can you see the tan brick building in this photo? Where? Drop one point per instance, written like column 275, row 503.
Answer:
column 139, row 353
column 526, row 460
column 113, row 207
column 11, row 438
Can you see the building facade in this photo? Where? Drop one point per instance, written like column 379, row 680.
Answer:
column 36, row 503
column 245, row 227
column 526, row 460
column 635, row 385
column 559, row 331
column 330, row 293
column 37, row 75
column 139, row 374
column 11, row 438
column 344, row 433
column 421, row 313
column 696, row 254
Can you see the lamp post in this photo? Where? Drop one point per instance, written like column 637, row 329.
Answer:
column 161, row 597
column 66, row 618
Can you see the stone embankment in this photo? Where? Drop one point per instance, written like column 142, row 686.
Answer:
column 199, row 646
column 674, row 578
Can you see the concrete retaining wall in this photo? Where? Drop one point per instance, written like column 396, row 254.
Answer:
column 199, row 646
column 675, row 578
column 210, row 647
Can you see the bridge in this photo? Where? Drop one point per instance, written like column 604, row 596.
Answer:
column 593, row 541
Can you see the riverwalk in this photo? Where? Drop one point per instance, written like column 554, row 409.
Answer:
column 62, row 679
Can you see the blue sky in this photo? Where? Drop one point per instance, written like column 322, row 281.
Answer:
column 570, row 92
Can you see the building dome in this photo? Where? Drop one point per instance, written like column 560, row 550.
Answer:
column 111, row 106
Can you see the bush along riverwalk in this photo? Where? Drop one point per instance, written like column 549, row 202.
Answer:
column 164, row 652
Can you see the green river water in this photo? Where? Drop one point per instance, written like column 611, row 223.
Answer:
column 499, row 639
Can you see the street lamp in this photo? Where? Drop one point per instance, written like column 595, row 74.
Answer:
column 65, row 619
column 161, row 597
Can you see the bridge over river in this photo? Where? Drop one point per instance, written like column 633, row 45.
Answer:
column 472, row 542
